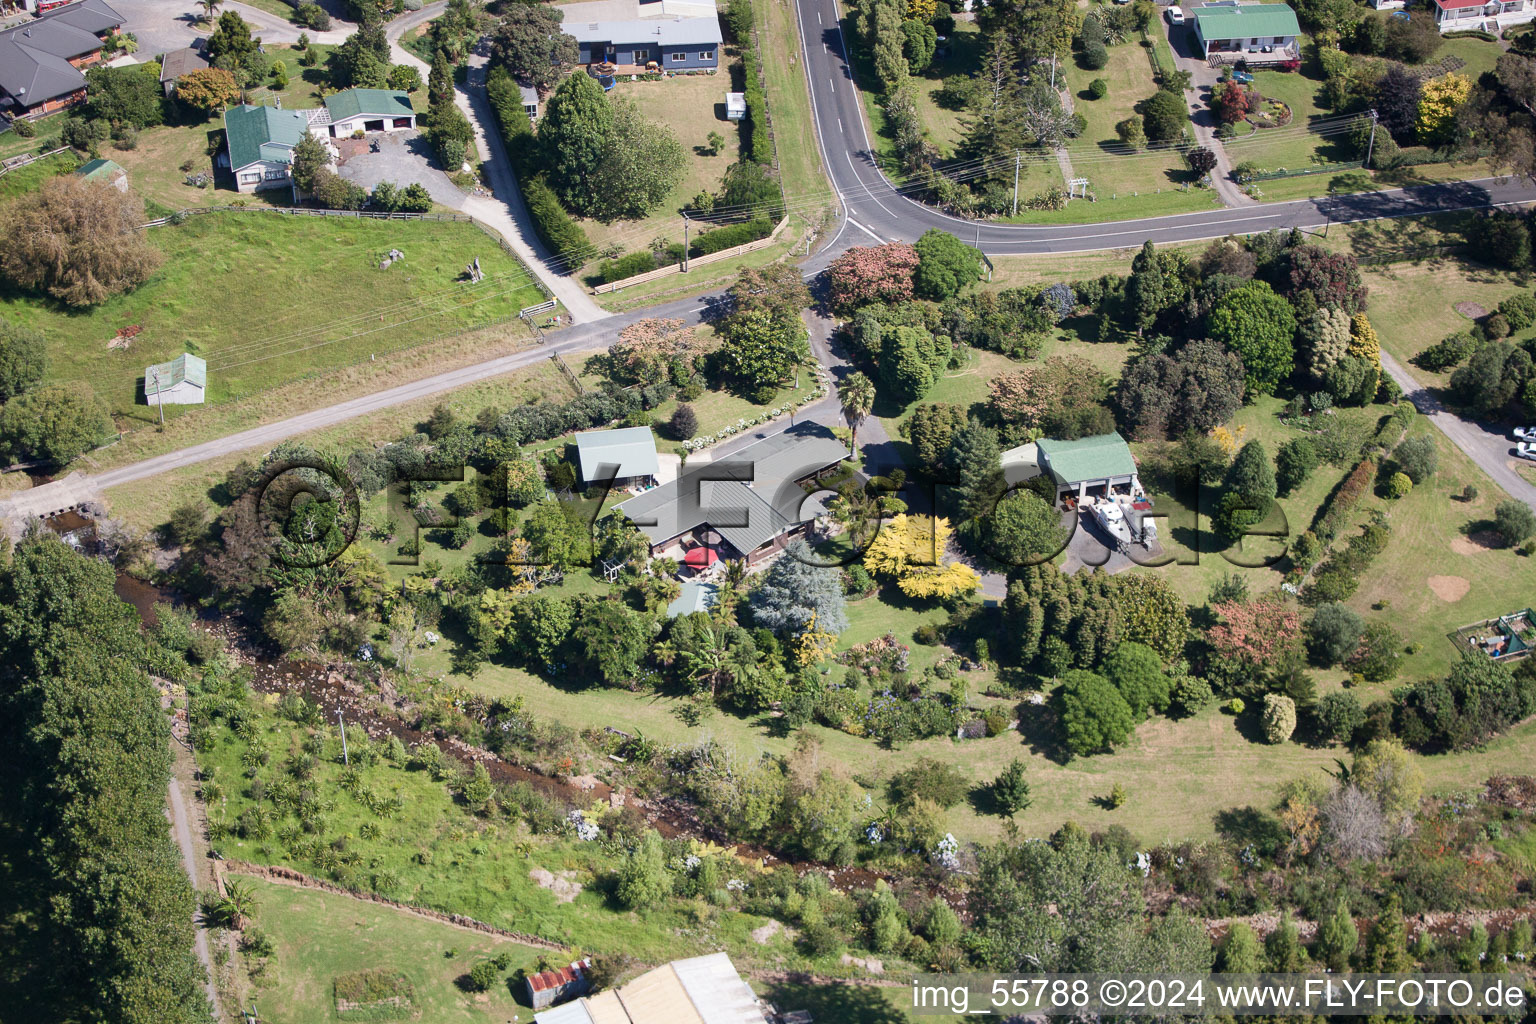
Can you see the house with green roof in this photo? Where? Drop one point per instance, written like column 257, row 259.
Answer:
column 1090, row 466
column 259, row 145
column 108, row 172
column 182, row 381
column 366, row 110
column 1256, row 33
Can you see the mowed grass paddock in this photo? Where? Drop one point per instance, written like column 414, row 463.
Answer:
column 321, row 936
column 691, row 106
column 270, row 299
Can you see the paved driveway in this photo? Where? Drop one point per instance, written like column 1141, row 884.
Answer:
column 163, row 25
column 403, row 158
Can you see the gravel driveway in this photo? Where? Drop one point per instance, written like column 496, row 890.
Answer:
column 403, row 158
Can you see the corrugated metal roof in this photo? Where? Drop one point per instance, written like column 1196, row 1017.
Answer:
column 1088, row 458
column 371, row 102
column 605, row 1008
column 658, row 997
column 570, row 1013
column 677, row 32
column 1246, row 21
column 185, row 367
column 100, row 170
column 262, row 133
column 632, row 449
column 748, row 498
column 179, row 62
column 717, row 991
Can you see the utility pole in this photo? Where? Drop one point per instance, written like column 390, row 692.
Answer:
column 1371, row 145
column 1016, row 156
column 158, row 404
column 345, row 760
column 685, row 243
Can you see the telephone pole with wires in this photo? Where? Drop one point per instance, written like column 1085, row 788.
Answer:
column 1370, row 147
column 155, row 373
column 1016, row 158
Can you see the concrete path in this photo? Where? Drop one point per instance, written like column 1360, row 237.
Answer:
column 1490, row 450
column 505, row 211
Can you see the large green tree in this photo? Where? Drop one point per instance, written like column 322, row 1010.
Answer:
column 528, row 43
column 574, row 134
column 232, row 39
column 944, row 265
column 642, row 163
column 94, row 906
column 1095, row 717
column 1024, row 528
column 762, row 349
column 54, row 423
column 1259, row 326
column 23, row 359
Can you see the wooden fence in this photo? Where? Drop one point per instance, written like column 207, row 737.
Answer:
column 27, row 158
column 695, row 261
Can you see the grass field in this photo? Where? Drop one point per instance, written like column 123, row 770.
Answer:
column 31, row 176
column 320, row 936
column 692, row 106
column 309, row 301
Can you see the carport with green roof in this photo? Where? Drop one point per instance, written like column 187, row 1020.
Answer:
column 369, row 110
column 1098, row 465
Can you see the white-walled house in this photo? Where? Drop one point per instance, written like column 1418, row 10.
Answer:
column 1256, row 33
column 259, row 144
column 1488, row 15
column 364, row 110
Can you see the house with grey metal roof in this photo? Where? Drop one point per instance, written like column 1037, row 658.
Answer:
column 623, row 457
column 259, row 145
column 182, row 381
column 1089, row 466
column 636, row 36
column 177, row 63
column 748, row 505
column 43, row 61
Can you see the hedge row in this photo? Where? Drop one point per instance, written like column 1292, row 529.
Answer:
column 626, row 266
column 731, row 235
column 1335, row 515
column 759, row 145
column 1339, row 577
column 1471, row 33
column 560, row 234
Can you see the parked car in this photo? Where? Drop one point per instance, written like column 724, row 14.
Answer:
column 1175, row 15
column 1242, row 78
column 1525, row 433
column 1526, row 450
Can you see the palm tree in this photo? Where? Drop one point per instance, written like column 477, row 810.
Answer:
column 237, row 905
column 857, row 393
column 210, row 8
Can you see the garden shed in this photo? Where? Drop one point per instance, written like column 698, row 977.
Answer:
column 735, row 106
column 627, row 454
column 182, row 381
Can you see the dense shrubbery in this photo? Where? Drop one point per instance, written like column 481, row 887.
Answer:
column 730, row 236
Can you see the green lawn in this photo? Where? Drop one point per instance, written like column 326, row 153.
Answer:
column 1098, row 154
column 320, row 936
column 268, row 300
column 25, row 179
column 1287, row 147
column 944, row 124
column 691, row 106
column 46, row 137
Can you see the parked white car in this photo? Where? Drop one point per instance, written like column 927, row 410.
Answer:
column 1175, row 15
column 1525, row 433
column 1526, row 450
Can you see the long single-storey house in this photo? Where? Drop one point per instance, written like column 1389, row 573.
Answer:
column 363, row 110
column 700, row 990
column 1488, row 15
column 626, row 456
column 259, row 145
column 182, row 381
column 749, row 505
column 1089, row 467
column 1257, row 33
column 636, row 36
column 42, row 61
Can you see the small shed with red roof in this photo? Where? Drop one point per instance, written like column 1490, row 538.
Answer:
column 559, row 984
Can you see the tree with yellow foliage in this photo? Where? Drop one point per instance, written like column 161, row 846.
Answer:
column 911, row 549
column 1438, row 103
column 814, row 645
column 1363, row 341
column 922, row 10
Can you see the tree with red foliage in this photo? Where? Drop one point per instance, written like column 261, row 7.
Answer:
column 881, row 273
column 1231, row 102
column 1256, row 632
column 1201, row 160
column 1333, row 278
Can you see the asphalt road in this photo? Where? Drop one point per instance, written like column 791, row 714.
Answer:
column 876, row 212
